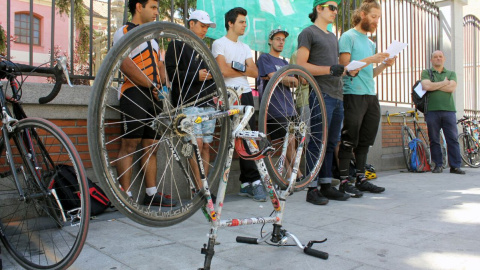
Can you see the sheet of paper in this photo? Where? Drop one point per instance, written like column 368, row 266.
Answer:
column 419, row 90
column 355, row 64
column 395, row 48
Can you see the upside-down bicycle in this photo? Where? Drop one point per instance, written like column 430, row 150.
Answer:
column 176, row 145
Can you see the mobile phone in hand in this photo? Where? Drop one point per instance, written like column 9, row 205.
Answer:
column 239, row 66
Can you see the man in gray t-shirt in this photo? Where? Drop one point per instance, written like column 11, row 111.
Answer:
column 318, row 53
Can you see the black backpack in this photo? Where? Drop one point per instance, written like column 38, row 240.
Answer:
column 68, row 192
column 421, row 103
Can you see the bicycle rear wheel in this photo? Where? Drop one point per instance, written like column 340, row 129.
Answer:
column 407, row 136
column 294, row 118
column 37, row 230
column 443, row 147
column 470, row 150
column 171, row 150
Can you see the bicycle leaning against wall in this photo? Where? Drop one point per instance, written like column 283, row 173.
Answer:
column 179, row 160
column 407, row 134
column 36, row 227
column 469, row 143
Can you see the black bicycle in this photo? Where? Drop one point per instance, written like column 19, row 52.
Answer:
column 469, row 145
column 36, row 226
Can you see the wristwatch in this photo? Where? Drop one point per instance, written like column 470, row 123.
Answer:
column 153, row 86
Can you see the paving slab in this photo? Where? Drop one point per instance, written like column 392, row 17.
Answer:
column 421, row 221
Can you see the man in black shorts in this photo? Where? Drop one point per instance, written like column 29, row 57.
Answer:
column 144, row 74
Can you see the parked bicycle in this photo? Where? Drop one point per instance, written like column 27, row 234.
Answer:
column 408, row 134
column 35, row 227
column 176, row 146
column 469, row 144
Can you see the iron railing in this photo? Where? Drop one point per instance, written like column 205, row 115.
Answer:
column 471, row 59
column 415, row 22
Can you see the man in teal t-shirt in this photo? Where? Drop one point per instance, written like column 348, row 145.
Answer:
column 440, row 113
column 361, row 106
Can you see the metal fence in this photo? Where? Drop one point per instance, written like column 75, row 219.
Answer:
column 471, row 58
column 415, row 22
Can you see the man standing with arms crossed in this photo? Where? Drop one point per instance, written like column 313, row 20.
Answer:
column 440, row 113
column 318, row 53
column 144, row 74
column 236, row 63
column 361, row 106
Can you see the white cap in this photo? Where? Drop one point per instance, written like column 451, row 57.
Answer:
column 202, row 17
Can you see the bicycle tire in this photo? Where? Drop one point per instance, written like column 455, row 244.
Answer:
column 290, row 100
column 443, row 147
column 174, row 174
column 33, row 230
column 407, row 136
column 423, row 136
column 470, row 150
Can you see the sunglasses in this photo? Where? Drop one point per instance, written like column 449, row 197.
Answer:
column 331, row 7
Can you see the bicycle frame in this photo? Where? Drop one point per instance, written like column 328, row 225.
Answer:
column 213, row 213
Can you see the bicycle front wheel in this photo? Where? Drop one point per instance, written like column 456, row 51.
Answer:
column 293, row 116
column 39, row 229
column 470, row 150
column 407, row 136
column 166, row 156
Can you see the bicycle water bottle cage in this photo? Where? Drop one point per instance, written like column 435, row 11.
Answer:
column 266, row 148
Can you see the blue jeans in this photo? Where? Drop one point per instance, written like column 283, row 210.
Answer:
column 334, row 108
column 447, row 121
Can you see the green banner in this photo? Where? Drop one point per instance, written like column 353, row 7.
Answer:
column 262, row 17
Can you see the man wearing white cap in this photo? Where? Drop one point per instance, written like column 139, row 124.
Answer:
column 191, row 82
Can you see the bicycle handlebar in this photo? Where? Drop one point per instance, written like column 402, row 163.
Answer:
column 463, row 119
column 401, row 114
column 59, row 69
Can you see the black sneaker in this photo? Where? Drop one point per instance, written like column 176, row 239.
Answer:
column 314, row 196
column 438, row 169
column 332, row 193
column 457, row 171
column 363, row 185
column 159, row 199
column 350, row 190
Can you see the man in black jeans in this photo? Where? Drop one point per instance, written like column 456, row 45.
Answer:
column 440, row 113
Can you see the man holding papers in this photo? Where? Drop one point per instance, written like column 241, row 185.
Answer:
column 361, row 106
column 440, row 113
column 318, row 53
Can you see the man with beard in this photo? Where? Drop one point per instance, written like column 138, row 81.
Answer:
column 236, row 63
column 361, row 106
column 318, row 53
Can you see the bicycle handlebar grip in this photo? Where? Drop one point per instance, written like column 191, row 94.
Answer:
column 315, row 253
column 247, row 240
column 56, row 88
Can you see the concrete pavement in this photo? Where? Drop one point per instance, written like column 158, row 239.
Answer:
column 421, row 221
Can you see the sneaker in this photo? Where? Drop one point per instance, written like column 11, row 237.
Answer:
column 350, row 190
column 333, row 194
column 314, row 196
column 159, row 199
column 246, row 191
column 259, row 193
column 363, row 185
column 457, row 171
column 438, row 169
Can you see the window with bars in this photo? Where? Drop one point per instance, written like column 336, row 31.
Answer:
column 22, row 28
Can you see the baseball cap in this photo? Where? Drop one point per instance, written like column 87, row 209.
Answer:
column 319, row 2
column 276, row 31
column 202, row 17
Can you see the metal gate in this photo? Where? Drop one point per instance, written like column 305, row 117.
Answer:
column 471, row 60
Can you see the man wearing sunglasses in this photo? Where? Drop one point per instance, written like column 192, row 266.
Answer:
column 318, row 53
column 362, row 109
